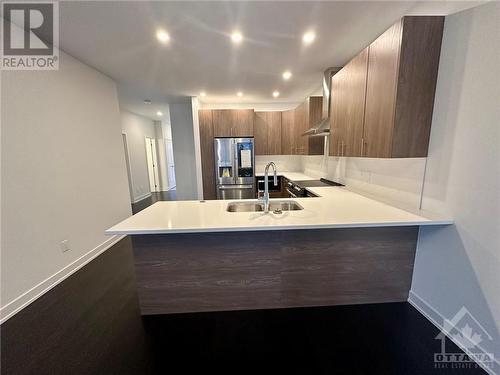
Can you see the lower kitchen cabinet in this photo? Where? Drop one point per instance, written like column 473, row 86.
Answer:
column 273, row 269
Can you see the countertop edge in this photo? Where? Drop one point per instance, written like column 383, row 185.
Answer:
column 283, row 227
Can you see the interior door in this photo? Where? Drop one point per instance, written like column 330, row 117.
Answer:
column 170, row 163
column 152, row 164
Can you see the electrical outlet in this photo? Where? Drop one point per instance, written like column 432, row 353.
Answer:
column 64, row 246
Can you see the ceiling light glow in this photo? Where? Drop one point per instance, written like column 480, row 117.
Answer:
column 162, row 36
column 203, row 93
column 236, row 37
column 308, row 37
column 276, row 94
column 287, row 75
column 239, row 93
column 159, row 113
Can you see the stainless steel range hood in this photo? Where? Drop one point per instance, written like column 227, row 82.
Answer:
column 322, row 128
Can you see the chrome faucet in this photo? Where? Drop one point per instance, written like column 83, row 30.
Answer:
column 266, row 188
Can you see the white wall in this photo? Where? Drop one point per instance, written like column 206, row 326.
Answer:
column 181, row 118
column 63, row 175
column 459, row 265
column 136, row 128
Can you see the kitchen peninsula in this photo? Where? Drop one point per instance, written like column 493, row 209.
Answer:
column 341, row 248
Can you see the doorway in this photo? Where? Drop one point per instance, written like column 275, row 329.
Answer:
column 152, row 162
column 170, row 163
column 127, row 163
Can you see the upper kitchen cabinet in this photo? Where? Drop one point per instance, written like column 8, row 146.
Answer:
column 205, row 118
column 316, row 145
column 348, row 107
column 233, row 122
column 401, row 82
column 288, row 143
column 301, row 124
column 267, row 132
column 294, row 125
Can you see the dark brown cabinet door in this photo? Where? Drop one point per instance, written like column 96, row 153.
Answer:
column 243, row 123
column 287, row 132
column 233, row 122
column 316, row 145
column 223, row 122
column 205, row 117
column 301, row 123
column 354, row 90
column 337, row 115
column 267, row 133
column 381, row 93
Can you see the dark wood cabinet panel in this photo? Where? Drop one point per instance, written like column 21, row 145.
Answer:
column 337, row 114
column 179, row 273
column 354, row 87
column 401, row 84
column 222, row 122
column 287, row 132
column 418, row 70
column 301, row 124
column 382, row 100
column 205, row 118
column 267, row 133
column 233, row 122
column 381, row 92
column 243, row 122
column 316, row 145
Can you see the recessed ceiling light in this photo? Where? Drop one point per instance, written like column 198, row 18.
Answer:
column 236, row 37
column 276, row 94
column 203, row 93
column 239, row 93
column 287, row 75
column 308, row 37
column 162, row 36
column 147, row 101
column 159, row 113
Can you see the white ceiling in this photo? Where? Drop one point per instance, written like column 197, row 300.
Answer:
column 118, row 39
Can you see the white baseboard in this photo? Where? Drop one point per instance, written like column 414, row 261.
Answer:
column 19, row 303
column 141, row 197
column 437, row 319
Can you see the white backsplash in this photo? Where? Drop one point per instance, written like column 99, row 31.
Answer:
column 395, row 181
column 290, row 163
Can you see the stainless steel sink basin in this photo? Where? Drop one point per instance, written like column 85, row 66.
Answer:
column 258, row 206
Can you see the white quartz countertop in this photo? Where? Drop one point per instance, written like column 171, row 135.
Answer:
column 336, row 207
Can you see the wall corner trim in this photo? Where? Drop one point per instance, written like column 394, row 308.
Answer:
column 436, row 318
column 19, row 303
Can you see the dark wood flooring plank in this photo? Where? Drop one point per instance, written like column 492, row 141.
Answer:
column 88, row 324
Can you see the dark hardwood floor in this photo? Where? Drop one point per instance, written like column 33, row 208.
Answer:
column 90, row 324
column 170, row 195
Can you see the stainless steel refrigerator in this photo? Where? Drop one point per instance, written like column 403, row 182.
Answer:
column 234, row 168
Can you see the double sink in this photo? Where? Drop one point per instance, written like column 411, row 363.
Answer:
column 258, row 206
